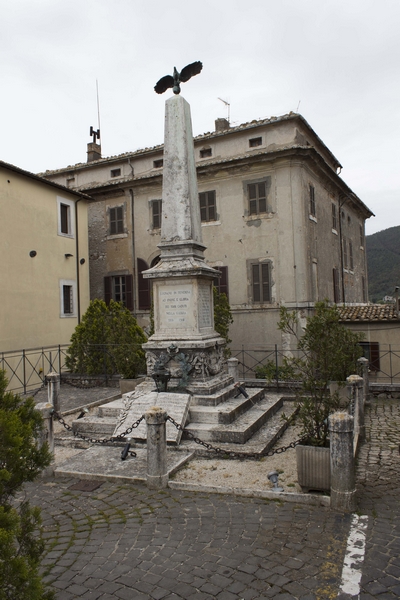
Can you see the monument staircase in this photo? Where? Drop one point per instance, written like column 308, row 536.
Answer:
column 221, row 416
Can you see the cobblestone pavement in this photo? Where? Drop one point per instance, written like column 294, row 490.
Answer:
column 128, row 542
column 378, row 483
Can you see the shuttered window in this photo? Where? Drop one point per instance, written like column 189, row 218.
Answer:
column 143, row 286
column 120, row 289
column 221, row 283
column 257, row 194
column 116, row 220
column 208, row 210
column 156, row 210
column 261, row 282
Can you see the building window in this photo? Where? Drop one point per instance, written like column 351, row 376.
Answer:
column 261, row 282
column 116, row 220
column 66, row 217
column 371, row 352
column 143, row 286
column 351, row 259
column 253, row 142
column 207, row 206
column 257, row 194
column 115, row 172
column 221, row 283
column 68, row 303
column 205, row 153
column 312, row 201
column 157, row 164
column 336, row 290
column 344, row 242
column 156, row 212
column 362, row 236
column 67, row 298
column 120, row 289
column 334, row 217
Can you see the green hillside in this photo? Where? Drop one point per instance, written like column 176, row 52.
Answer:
column 383, row 256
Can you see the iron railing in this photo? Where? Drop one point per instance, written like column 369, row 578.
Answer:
column 26, row 369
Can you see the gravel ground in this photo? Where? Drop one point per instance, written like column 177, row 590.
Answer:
column 246, row 473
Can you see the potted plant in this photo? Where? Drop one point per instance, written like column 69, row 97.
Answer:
column 326, row 351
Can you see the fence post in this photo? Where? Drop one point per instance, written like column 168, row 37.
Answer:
column 157, row 475
column 233, row 368
column 364, row 364
column 343, row 487
column 53, row 390
column 357, row 391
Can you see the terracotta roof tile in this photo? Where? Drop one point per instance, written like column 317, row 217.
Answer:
column 368, row 312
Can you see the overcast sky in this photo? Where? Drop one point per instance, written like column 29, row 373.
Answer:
column 335, row 62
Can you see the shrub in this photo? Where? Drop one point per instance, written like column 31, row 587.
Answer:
column 21, row 460
column 222, row 316
column 107, row 341
column 328, row 352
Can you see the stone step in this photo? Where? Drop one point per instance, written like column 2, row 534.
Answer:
column 262, row 441
column 238, row 432
column 215, row 398
column 112, row 409
column 94, row 426
column 226, row 412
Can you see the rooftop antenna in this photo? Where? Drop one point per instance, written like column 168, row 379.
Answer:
column 93, row 132
column 229, row 108
column 297, row 109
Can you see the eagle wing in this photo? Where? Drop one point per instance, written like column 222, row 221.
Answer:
column 164, row 84
column 190, row 70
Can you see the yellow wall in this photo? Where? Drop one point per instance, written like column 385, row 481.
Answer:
column 30, row 287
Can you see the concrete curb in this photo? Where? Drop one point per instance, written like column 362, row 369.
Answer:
column 310, row 499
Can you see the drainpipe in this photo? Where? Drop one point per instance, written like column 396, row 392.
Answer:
column 78, row 286
column 133, row 251
column 341, row 248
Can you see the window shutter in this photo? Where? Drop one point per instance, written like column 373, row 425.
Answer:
column 143, row 286
column 221, row 283
column 107, row 290
column 129, row 292
column 374, row 364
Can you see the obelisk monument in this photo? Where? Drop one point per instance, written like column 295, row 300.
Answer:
column 184, row 339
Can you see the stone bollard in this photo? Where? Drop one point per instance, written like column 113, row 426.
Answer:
column 343, row 488
column 233, row 368
column 364, row 362
column 53, row 390
column 357, row 390
column 46, row 410
column 157, row 475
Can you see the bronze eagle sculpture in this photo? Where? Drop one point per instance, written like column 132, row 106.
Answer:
column 173, row 81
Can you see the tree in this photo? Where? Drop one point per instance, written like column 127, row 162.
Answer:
column 328, row 351
column 107, row 341
column 21, row 460
column 222, row 316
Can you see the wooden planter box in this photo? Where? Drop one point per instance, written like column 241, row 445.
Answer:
column 313, row 468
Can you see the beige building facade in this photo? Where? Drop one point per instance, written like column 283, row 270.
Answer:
column 277, row 219
column 45, row 266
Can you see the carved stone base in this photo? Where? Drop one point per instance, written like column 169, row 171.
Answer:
column 188, row 361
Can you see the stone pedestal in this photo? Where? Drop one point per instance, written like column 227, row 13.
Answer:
column 184, row 341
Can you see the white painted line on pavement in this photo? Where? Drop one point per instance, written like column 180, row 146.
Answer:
column 354, row 556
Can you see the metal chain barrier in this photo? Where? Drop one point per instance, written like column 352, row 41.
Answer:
column 33, row 394
column 118, row 438
column 231, row 454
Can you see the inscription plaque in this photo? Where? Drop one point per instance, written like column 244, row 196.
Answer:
column 175, row 304
column 204, row 307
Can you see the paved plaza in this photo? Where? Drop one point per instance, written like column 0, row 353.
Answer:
column 124, row 541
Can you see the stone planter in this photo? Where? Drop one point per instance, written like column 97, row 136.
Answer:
column 313, row 468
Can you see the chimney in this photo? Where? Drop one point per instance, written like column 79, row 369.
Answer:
column 221, row 124
column 93, row 152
